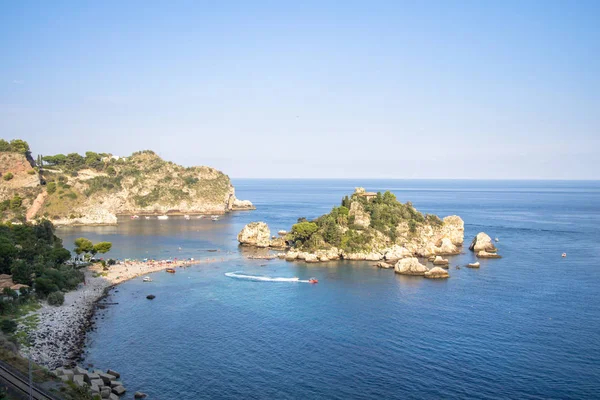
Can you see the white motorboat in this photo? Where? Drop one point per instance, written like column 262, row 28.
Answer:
column 163, row 217
column 214, row 217
column 186, row 216
column 147, row 279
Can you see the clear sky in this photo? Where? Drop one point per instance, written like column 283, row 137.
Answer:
column 341, row 89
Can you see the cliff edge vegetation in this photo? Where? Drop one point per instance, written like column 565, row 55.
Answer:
column 95, row 188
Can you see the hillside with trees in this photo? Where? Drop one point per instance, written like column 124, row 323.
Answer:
column 96, row 187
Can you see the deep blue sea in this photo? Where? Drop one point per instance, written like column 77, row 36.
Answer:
column 526, row 326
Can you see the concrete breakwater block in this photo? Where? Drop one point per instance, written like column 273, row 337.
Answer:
column 118, row 390
column 78, row 380
column 113, row 373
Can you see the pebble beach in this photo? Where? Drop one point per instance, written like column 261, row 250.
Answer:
column 59, row 336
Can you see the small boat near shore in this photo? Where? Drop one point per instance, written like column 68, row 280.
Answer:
column 186, row 217
column 313, row 280
column 474, row 265
column 162, row 217
column 135, row 217
column 214, row 217
column 200, row 217
column 170, row 270
column 147, row 217
column 147, row 279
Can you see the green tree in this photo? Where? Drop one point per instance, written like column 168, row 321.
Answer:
column 20, row 146
column 302, row 231
column 83, row 245
column 102, row 247
column 8, row 176
column 4, row 145
column 56, row 299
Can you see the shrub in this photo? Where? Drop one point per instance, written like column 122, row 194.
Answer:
column 8, row 326
column 56, row 299
column 51, row 187
column 8, row 176
column 16, row 202
column 31, row 172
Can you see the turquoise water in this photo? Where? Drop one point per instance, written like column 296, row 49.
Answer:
column 525, row 326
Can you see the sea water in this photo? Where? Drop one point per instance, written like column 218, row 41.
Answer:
column 526, row 326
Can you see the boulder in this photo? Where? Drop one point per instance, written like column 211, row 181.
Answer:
column 65, row 378
column 113, row 397
column 278, row 243
column 255, row 234
column 113, row 373
column 372, row 256
column 485, row 254
column 396, row 253
column 114, row 384
column 281, row 256
column 80, row 371
column 436, row 273
column 291, row 255
column 410, row 266
column 323, row 258
column 118, row 390
column 482, row 242
column 151, row 297
column 473, row 265
column 384, row 265
column 440, row 261
column 446, row 248
column 453, row 228
column 139, row 395
column 311, row 258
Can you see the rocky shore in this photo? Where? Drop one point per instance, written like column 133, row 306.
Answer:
column 59, row 336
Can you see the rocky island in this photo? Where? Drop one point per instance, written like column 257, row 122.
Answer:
column 369, row 227
column 94, row 189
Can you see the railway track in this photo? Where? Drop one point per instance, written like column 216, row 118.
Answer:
column 21, row 384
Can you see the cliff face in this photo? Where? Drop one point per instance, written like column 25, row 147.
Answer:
column 96, row 192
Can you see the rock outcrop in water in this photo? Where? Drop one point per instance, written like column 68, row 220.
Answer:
column 95, row 189
column 372, row 227
column 410, row 266
column 255, row 234
column 482, row 242
column 483, row 246
column 436, row 273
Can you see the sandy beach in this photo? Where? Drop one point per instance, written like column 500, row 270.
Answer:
column 60, row 333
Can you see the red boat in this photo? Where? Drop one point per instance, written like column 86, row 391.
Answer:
column 313, row 280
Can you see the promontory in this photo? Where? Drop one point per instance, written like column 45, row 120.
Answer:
column 366, row 226
column 97, row 187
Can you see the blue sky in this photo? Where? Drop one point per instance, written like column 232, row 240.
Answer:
column 369, row 89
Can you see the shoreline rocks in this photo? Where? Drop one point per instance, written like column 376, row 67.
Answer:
column 436, row 273
column 485, row 254
column 410, row 266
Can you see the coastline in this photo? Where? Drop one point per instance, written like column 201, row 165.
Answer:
column 59, row 337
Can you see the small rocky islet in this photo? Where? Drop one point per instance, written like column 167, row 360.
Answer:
column 371, row 226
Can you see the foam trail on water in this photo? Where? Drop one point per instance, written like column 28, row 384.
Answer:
column 260, row 278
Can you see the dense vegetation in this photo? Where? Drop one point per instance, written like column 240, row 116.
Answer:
column 337, row 229
column 36, row 257
column 16, row 145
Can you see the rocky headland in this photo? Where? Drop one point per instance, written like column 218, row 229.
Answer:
column 94, row 189
column 366, row 227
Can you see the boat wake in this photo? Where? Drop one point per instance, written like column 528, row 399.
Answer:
column 260, row 278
